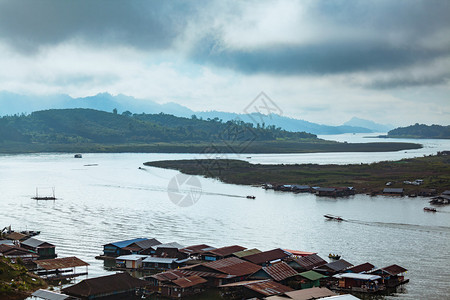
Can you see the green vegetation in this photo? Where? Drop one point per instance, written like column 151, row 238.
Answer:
column 421, row 131
column 434, row 170
column 87, row 130
column 15, row 281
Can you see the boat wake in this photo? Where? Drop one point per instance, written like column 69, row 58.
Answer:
column 413, row 227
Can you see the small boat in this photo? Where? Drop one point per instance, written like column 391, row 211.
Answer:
column 78, row 156
column 431, row 209
column 251, row 197
column 331, row 217
column 334, row 256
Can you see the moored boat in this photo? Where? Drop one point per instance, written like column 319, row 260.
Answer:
column 431, row 209
column 331, row 217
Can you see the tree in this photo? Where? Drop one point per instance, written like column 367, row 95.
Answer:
column 115, row 111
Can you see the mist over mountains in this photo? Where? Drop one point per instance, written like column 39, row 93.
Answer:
column 11, row 104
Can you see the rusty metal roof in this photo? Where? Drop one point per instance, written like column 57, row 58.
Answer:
column 233, row 266
column 168, row 276
column 196, row 249
column 206, row 274
column 263, row 287
column 267, row 256
column 189, row 281
column 365, row 267
column 115, row 283
column 16, row 236
column 224, row 251
column 280, row 271
column 309, row 262
column 8, row 250
column 61, row 263
column 394, row 269
column 338, row 265
column 311, row 293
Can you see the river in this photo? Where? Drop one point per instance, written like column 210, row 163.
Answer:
column 104, row 198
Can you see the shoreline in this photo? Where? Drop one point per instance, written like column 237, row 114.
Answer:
column 434, row 171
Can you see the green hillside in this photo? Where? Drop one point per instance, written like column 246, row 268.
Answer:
column 421, row 131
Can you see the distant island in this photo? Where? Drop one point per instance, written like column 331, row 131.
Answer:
column 433, row 171
column 420, row 131
column 88, row 130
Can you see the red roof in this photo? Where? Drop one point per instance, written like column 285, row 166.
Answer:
column 263, row 287
column 61, row 263
column 189, row 281
column 365, row 267
column 267, row 256
column 233, row 266
column 394, row 269
column 309, row 262
column 280, row 271
column 225, row 251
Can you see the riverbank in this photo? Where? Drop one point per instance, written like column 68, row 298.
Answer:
column 364, row 178
column 306, row 146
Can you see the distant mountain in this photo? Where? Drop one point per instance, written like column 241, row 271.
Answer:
column 421, row 131
column 375, row 127
column 11, row 104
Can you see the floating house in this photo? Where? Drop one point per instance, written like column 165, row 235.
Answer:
column 43, row 249
column 126, row 247
column 118, row 285
column 144, row 247
column 60, row 268
column 268, row 257
column 130, row 261
column 170, row 252
column 307, row 263
column 241, row 254
column 213, row 279
column 356, row 282
column 174, row 284
column 162, row 263
column 280, row 272
column 253, row 289
column 392, row 275
column 300, row 188
column 310, row 279
column 221, row 253
column 49, row 295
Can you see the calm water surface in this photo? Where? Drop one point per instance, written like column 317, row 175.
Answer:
column 115, row 200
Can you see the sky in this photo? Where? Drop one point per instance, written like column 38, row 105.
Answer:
column 323, row 61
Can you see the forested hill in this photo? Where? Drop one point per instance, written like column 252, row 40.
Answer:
column 71, row 126
column 421, row 131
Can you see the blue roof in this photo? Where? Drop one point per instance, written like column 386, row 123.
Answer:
column 126, row 243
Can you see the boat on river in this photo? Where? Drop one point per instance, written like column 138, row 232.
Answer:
column 334, row 256
column 331, row 217
column 431, row 209
column 251, row 197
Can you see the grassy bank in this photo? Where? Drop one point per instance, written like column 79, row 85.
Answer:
column 306, row 146
column 434, row 170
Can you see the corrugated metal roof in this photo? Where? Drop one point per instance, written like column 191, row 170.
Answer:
column 263, row 287
column 17, row 236
column 122, row 244
column 300, row 253
column 312, row 275
column 12, row 250
column 310, row 262
column 394, row 269
column 61, row 263
column 338, row 265
column 224, row 251
column 34, row 243
column 311, row 293
column 145, row 244
column 267, row 256
column 365, row 267
column 48, row 295
column 358, row 276
column 104, row 285
column 243, row 253
column 189, row 281
column 233, row 266
column 196, row 249
column 205, row 274
column 280, row 271
column 131, row 257
column 159, row 260
column 170, row 245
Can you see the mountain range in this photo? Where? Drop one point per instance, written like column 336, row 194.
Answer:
column 11, row 104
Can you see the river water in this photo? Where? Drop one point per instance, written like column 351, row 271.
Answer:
column 106, row 197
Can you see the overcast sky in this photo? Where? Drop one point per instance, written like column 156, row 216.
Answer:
column 321, row 61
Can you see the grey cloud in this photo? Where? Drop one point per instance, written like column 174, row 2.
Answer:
column 29, row 24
